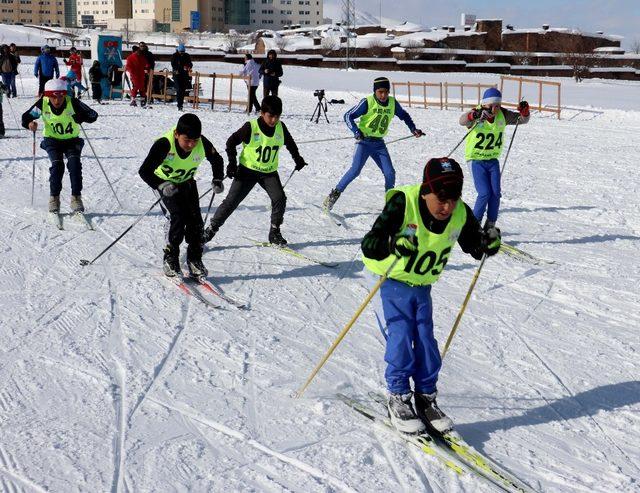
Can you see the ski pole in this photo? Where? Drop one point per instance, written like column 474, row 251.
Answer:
column 84, row 262
column 323, row 140
column 209, row 208
column 462, row 139
column 504, row 165
column 401, row 138
column 21, row 84
column 15, row 118
column 463, row 307
column 204, row 194
column 285, row 183
column 366, row 301
column 99, row 164
column 33, row 168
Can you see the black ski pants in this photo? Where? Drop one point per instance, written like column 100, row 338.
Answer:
column 57, row 150
column 181, row 81
column 242, row 184
column 1, row 120
column 253, row 99
column 185, row 221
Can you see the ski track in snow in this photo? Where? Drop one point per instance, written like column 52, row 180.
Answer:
column 113, row 380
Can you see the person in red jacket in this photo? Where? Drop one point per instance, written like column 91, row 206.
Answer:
column 136, row 65
column 74, row 62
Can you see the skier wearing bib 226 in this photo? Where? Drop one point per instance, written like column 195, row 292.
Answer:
column 261, row 141
column 375, row 112
column 484, row 146
column 419, row 225
column 62, row 116
column 169, row 168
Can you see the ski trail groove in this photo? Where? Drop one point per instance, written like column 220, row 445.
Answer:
column 9, row 468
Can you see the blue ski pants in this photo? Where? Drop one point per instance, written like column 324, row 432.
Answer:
column 486, row 178
column 57, row 149
column 365, row 149
column 412, row 350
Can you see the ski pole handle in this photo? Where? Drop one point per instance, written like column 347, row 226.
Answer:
column 346, row 329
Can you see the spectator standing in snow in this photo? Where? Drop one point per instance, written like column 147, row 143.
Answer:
column 13, row 49
column 252, row 69
column 95, row 77
column 8, row 68
column 271, row 71
column 181, row 66
column 136, row 65
column 46, row 68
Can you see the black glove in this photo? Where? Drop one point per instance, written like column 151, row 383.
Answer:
column 232, row 169
column 418, row 133
column 76, row 118
column 358, row 135
column 300, row 163
column 491, row 240
column 475, row 114
column 403, row 245
column 523, row 108
column 167, row 189
column 217, row 185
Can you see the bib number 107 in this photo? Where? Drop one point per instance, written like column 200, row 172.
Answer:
column 267, row 153
column 429, row 262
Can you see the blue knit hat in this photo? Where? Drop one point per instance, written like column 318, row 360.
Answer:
column 491, row 96
column 181, row 47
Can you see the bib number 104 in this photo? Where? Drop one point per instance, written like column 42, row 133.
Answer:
column 429, row 262
column 60, row 129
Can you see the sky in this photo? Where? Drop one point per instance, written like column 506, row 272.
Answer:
column 620, row 17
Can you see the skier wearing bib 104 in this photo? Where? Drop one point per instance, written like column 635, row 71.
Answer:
column 261, row 141
column 419, row 225
column 484, row 146
column 62, row 116
column 169, row 169
column 375, row 112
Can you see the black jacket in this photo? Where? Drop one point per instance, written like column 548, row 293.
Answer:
column 13, row 62
column 274, row 69
column 181, row 63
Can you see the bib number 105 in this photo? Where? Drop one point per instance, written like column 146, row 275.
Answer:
column 428, row 262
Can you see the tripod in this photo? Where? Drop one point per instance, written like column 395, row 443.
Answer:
column 321, row 108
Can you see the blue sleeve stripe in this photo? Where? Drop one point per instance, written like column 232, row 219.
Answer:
column 355, row 112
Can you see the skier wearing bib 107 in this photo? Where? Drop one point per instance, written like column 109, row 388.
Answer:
column 62, row 116
column 261, row 141
column 419, row 225
column 169, row 169
column 484, row 146
column 375, row 112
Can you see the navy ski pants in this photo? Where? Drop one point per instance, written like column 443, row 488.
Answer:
column 412, row 350
column 57, row 149
column 365, row 149
column 486, row 178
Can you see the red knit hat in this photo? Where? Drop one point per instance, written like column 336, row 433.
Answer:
column 443, row 176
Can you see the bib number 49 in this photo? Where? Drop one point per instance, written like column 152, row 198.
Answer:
column 429, row 262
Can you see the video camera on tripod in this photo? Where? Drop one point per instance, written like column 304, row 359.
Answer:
column 321, row 107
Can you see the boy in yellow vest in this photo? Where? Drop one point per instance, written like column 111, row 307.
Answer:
column 62, row 116
column 420, row 225
column 484, row 146
column 261, row 141
column 169, row 169
column 375, row 112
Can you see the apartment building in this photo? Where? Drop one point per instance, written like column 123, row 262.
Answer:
column 42, row 12
column 276, row 14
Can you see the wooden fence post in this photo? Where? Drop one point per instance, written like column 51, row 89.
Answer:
column 230, row 91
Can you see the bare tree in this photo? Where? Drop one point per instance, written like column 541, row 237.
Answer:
column 521, row 57
column 329, row 44
column 581, row 59
column 234, row 41
column 635, row 46
column 282, row 42
column 377, row 47
column 413, row 48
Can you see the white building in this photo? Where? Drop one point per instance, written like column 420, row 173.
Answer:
column 276, row 14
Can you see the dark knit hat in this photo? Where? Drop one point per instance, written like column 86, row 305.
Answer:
column 189, row 125
column 381, row 83
column 442, row 176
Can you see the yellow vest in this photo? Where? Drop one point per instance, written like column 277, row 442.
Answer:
column 174, row 168
column 427, row 263
column 375, row 123
column 261, row 153
column 485, row 140
column 62, row 126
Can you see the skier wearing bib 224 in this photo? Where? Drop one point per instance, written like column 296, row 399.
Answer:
column 484, row 146
column 419, row 225
column 375, row 112
column 62, row 116
column 169, row 168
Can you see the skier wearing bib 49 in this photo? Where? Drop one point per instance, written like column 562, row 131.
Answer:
column 375, row 112
column 419, row 225
column 169, row 169
column 261, row 141
column 484, row 146
column 62, row 116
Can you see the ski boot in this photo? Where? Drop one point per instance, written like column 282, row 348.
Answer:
column 54, row 203
column 331, row 199
column 195, row 265
column 76, row 203
column 275, row 237
column 428, row 410
column 402, row 415
column 171, row 263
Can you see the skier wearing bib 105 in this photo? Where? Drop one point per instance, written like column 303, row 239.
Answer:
column 419, row 224
column 375, row 112
column 261, row 141
column 62, row 116
column 169, row 169
column 484, row 146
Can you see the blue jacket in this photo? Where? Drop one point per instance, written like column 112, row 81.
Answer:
column 46, row 65
column 361, row 109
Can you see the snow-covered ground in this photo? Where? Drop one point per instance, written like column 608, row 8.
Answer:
column 113, row 380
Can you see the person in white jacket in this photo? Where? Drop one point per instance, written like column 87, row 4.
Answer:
column 252, row 69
